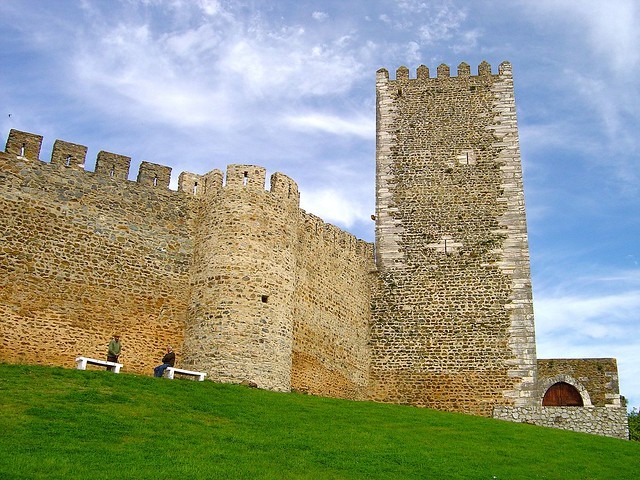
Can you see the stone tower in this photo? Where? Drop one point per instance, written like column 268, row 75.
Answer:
column 452, row 323
column 240, row 319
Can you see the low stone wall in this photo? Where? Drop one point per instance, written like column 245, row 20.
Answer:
column 606, row 421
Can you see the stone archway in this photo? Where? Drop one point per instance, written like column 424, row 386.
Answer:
column 562, row 394
column 563, row 390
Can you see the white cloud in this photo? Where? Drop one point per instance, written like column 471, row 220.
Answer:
column 320, row 16
column 291, row 67
column 210, row 7
column 444, row 23
column 588, row 310
column 211, row 73
column 334, row 205
column 593, row 317
column 362, row 126
column 610, row 28
column 467, row 41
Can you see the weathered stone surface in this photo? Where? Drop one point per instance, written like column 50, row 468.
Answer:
column 452, row 317
column 82, row 257
column 605, row 421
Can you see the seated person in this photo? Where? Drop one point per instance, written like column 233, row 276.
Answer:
column 168, row 360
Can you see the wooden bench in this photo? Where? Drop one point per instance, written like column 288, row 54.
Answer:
column 171, row 371
column 81, row 364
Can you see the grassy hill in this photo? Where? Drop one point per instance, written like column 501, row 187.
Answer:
column 70, row 424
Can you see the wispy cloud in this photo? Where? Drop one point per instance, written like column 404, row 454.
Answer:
column 335, row 205
column 597, row 315
column 609, row 27
column 590, row 308
column 320, row 16
column 361, row 126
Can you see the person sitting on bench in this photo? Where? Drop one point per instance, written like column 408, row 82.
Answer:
column 168, row 360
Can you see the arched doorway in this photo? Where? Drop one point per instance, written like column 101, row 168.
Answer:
column 562, row 394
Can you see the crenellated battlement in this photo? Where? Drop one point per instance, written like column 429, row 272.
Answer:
column 199, row 185
column 113, row 165
column 27, row 146
column 443, row 72
column 68, row 154
column 253, row 177
column 327, row 233
column 23, row 144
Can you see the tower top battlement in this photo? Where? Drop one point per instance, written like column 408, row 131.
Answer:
column 443, row 71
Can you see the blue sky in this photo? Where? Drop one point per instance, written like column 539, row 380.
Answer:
column 290, row 85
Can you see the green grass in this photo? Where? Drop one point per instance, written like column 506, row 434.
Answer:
column 71, row 424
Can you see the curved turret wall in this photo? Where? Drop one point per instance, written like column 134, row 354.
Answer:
column 240, row 325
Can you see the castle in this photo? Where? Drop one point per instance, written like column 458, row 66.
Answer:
column 249, row 287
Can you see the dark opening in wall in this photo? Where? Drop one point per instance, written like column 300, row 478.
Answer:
column 264, row 298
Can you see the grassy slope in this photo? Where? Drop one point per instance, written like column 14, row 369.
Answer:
column 71, row 424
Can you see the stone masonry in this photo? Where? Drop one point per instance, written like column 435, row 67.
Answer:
column 453, row 318
column 247, row 286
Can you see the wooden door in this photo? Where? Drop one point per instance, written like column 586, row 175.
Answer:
column 562, row 394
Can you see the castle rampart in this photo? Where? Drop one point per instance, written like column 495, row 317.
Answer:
column 332, row 312
column 224, row 270
column 84, row 255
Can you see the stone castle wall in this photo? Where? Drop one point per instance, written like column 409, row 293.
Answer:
column 332, row 311
column 280, row 298
column 240, row 324
column 605, row 421
column 85, row 255
column 452, row 317
column 243, row 283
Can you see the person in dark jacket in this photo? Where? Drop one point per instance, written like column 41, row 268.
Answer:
column 168, row 360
